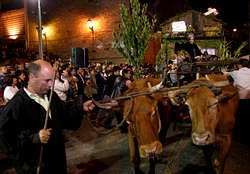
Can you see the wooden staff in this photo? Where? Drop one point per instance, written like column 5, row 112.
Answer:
column 46, row 122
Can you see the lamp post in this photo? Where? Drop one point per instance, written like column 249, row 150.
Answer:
column 40, row 35
column 90, row 24
column 46, row 43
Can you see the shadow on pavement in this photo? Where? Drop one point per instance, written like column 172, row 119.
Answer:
column 94, row 166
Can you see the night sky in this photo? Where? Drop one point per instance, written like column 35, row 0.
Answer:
column 232, row 12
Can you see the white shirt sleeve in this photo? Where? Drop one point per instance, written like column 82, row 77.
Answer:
column 9, row 93
column 61, row 86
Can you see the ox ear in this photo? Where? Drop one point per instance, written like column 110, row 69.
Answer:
column 225, row 97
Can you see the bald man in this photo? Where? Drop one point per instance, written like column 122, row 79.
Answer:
column 22, row 122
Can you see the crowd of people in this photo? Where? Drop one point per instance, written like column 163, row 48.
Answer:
column 25, row 102
column 97, row 81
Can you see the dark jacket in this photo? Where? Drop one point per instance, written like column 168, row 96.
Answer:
column 20, row 122
column 80, row 84
column 192, row 49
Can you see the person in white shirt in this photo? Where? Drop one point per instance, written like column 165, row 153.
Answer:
column 61, row 85
column 241, row 80
column 11, row 89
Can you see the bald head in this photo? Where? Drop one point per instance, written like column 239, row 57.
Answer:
column 35, row 67
column 41, row 75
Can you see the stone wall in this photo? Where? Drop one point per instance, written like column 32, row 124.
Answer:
column 12, row 24
column 66, row 27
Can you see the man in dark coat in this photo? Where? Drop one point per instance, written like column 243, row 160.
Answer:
column 22, row 121
column 191, row 47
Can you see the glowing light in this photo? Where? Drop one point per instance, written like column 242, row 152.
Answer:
column 13, row 37
column 91, row 24
column 48, row 30
column 179, row 26
column 13, row 23
column 211, row 11
column 235, row 29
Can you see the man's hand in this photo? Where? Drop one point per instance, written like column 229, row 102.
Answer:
column 88, row 105
column 44, row 135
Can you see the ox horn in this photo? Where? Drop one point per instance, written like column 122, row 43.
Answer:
column 218, row 83
column 161, row 84
column 197, row 76
column 156, row 87
column 207, row 77
column 149, row 85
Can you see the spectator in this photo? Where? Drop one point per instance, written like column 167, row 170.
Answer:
column 22, row 79
column 11, row 89
column 241, row 80
column 61, row 85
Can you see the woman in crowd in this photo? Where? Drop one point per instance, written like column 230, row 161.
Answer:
column 61, row 85
column 11, row 89
column 73, row 89
column 22, row 79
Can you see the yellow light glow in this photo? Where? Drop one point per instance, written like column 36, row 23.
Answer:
column 13, row 37
column 90, row 24
column 13, row 23
column 48, row 30
column 95, row 23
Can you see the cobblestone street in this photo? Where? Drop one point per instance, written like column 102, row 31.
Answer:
column 90, row 153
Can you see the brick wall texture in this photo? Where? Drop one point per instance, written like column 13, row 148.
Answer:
column 65, row 23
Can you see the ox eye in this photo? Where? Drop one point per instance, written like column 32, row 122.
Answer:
column 213, row 104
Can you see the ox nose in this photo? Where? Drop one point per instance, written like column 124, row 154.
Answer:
column 150, row 150
column 201, row 138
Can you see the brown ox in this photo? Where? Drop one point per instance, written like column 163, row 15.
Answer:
column 213, row 117
column 144, row 121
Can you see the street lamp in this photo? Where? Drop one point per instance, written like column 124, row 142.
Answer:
column 91, row 26
column 46, row 43
column 40, row 34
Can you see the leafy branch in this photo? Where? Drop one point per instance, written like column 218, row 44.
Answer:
column 132, row 36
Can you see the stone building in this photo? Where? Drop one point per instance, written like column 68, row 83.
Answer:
column 203, row 26
column 65, row 27
column 208, row 31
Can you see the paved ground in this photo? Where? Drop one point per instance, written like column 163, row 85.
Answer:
column 91, row 153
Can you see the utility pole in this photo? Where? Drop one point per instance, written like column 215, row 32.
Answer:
column 40, row 35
